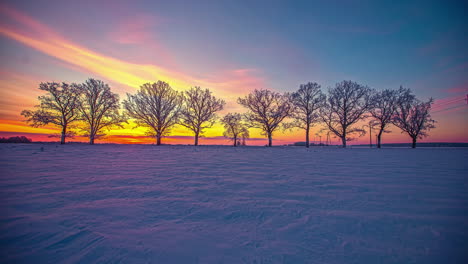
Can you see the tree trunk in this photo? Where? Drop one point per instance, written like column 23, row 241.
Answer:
column 343, row 139
column 158, row 140
column 196, row 138
column 62, row 137
column 235, row 141
column 91, row 139
column 307, row 135
column 270, row 141
column 414, row 142
column 379, row 136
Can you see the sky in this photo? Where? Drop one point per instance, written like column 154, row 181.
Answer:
column 232, row 48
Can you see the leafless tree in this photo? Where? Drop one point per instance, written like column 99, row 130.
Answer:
column 234, row 128
column 307, row 101
column 58, row 107
column 199, row 110
column 412, row 116
column 267, row 110
column 99, row 108
column 383, row 106
column 345, row 105
column 155, row 106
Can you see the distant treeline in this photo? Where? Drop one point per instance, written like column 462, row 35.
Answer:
column 93, row 108
column 21, row 139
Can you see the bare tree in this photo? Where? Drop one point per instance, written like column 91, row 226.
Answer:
column 307, row 101
column 234, row 128
column 267, row 110
column 99, row 108
column 412, row 116
column 155, row 106
column 199, row 110
column 58, row 107
column 382, row 110
column 346, row 104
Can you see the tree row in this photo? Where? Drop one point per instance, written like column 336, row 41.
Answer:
column 92, row 107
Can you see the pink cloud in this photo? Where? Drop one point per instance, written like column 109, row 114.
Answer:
column 459, row 89
column 135, row 30
column 140, row 32
column 238, row 81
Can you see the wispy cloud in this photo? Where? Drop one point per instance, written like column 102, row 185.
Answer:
column 17, row 91
column 459, row 89
column 135, row 30
column 38, row 36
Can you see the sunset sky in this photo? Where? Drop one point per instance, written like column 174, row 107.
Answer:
column 232, row 48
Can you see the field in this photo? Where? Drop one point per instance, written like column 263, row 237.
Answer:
column 219, row 204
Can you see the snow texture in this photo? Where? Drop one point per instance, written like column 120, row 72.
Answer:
column 219, row 204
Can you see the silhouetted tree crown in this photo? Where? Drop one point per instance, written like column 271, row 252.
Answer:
column 99, row 108
column 234, row 128
column 345, row 105
column 266, row 110
column 382, row 111
column 156, row 106
column 413, row 116
column 58, row 107
column 307, row 102
column 199, row 110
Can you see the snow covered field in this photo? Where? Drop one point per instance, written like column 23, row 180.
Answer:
column 214, row 204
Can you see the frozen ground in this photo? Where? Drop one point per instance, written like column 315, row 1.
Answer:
column 181, row 204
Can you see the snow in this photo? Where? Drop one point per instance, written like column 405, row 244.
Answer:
column 219, row 204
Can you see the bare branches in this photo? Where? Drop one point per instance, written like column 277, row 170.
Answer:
column 383, row 109
column 412, row 116
column 267, row 110
column 307, row 101
column 199, row 110
column 155, row 106
column 158, row 107
column 58, row 107
column 234, row 128
column 345, row 106
column 99, row 108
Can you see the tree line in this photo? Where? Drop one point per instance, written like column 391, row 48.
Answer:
column 92, row 107
column 20, row 139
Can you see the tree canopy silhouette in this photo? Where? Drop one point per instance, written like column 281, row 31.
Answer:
column 99, row 108
column 307, row 102
column 412, row 116
column 58, row 107
column 199, row 110
column 234, row 128
column 345, row 105
column 382, row 110
column 266, row 110
column 156, row 106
